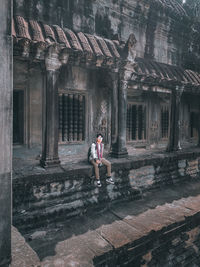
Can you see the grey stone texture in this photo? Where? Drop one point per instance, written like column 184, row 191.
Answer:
column 162, row 229
column 158, row 26
column 5, row 131
column 43, row 196
column 22, row 253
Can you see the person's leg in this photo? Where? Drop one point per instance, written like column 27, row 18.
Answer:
column 108, row 165
column 96, row 169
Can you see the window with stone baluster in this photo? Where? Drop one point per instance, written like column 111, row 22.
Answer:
column 194, row 117
column 136, row 122
column 71, row 117
column 164, row 121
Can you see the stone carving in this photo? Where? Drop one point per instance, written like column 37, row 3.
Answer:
column 25, row 44
column 130, row 48
column 40, row 50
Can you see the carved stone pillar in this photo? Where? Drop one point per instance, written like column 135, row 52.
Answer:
column 128, row 55
column 118, row 149
column 174, row 135
column 114, row 80
column 51, row 121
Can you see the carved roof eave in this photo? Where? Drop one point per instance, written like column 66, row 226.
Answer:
column 32, row 40
column 175, row 9
column 150, row 82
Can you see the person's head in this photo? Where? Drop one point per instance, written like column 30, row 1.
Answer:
column 99, row 138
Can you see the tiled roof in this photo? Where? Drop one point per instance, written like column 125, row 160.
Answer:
column 154, row 71
column 38, row 32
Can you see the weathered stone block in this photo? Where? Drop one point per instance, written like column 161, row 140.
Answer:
column 142, row 177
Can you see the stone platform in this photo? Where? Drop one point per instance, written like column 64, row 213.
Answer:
column 162, row 229
column 44, row 196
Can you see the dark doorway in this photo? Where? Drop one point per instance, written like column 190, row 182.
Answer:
column 18, row 117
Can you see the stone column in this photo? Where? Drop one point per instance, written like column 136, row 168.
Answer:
column 127, row 64
column 51, row 119
column 113, row 78
column 174, row 135
column 118, row 149
column 6, row 92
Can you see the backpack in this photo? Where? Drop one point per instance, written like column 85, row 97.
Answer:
column 89, row 154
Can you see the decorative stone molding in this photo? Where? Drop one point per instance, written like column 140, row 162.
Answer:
column 52, row 61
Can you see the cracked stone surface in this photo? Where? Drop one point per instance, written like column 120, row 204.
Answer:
column 77, row 242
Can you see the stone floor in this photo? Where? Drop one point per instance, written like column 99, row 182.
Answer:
column 76, row 242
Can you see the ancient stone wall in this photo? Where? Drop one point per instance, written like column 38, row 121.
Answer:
column 30, row 80
column 163, row 32
column 42, row 198
column 5, row 132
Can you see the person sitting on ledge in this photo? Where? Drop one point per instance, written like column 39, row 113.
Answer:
column 96, row 158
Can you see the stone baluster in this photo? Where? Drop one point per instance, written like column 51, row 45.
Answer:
column 60, row 117
column 70, row 113
column 80, row 118
column 75, row 117
column 65, row 120
column 114, row 79
column 174, row 135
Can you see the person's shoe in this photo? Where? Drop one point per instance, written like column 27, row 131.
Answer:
column 109, row 180
column 98, row 183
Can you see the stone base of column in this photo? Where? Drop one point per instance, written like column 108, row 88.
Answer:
column 49, row 163
column 119, row 154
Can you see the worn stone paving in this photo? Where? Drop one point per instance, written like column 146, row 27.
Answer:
column 76, row 242
column 22, row 254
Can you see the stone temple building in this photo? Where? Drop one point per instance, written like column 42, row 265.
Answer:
column 116, row 68
column 126, row 68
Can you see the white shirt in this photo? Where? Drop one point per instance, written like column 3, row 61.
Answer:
column 94, row 154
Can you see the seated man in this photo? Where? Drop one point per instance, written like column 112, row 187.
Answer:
column 96, row 158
